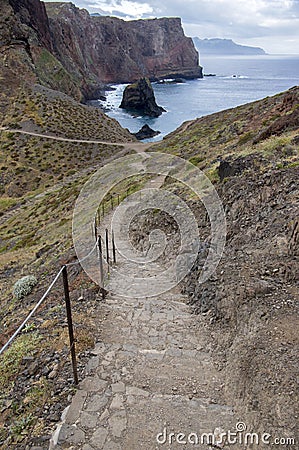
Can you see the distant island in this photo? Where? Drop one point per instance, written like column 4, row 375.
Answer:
column 217, row 46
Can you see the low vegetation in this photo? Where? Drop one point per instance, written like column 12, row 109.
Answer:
column 240, row 132
column 24, row 286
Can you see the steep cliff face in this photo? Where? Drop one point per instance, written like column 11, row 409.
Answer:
column 66, row 49
column 26, row 51
column 15, row 57
column 113, row 50
column 33, row 14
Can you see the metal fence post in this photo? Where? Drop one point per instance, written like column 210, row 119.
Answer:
column 70, row 322
column 107, row 246
column 95, row 229
column 101, row 262
column 113, row 248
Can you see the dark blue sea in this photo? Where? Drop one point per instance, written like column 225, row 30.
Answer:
column 238, row 80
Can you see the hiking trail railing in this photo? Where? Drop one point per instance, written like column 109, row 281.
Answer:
column 63, row 273
column 104, row 244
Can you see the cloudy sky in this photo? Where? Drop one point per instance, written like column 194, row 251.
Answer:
column 271, row 24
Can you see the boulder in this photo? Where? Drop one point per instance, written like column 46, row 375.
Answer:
column 146, row 132
column 140, row 97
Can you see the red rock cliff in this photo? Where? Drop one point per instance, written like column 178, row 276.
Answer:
column 26, row 51
column 114, row 50
column 65, row 48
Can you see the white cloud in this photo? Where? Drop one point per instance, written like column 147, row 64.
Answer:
column 269, row 21
column 122, row 7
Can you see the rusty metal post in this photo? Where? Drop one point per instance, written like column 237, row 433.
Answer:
column 107, row 246
column 113, row 248
column 70, row 322
column 102, row 289
column 95, row 229
column 101, row 262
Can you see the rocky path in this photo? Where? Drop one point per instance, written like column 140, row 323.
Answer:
column 150, row 378
column 150, row 374
column 151, row 381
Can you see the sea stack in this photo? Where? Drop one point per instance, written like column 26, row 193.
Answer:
column 146, row 132
column 140, row 97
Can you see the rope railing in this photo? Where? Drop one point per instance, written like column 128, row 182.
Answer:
column 10, row 340
column 106, row 256
column 100, row 243
column 63, row 272
column 108, row 205
column 103, row 245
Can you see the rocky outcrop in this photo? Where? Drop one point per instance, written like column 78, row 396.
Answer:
column 140, row 97
column 146, row 132
column 230, row 167
column 286, row 122
column 33, row 14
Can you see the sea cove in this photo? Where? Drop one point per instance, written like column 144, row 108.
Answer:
column 238, row 80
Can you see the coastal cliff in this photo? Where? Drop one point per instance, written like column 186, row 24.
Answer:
column 33, row 15
column 66, row 49
column 113, row 50
column 26, row 52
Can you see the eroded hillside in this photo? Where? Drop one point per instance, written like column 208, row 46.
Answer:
column 250, row 305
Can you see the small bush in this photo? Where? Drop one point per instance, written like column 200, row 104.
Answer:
column 196, row 159
column 246, row 137
column 24, row 286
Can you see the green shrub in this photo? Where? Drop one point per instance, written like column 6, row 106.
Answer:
column 196, row 159
column 246, row 137
column 24, row 286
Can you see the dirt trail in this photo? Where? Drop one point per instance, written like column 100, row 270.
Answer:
column 137, row 146
column 151, row 377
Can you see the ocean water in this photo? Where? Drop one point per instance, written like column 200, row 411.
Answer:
column 238, row 80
